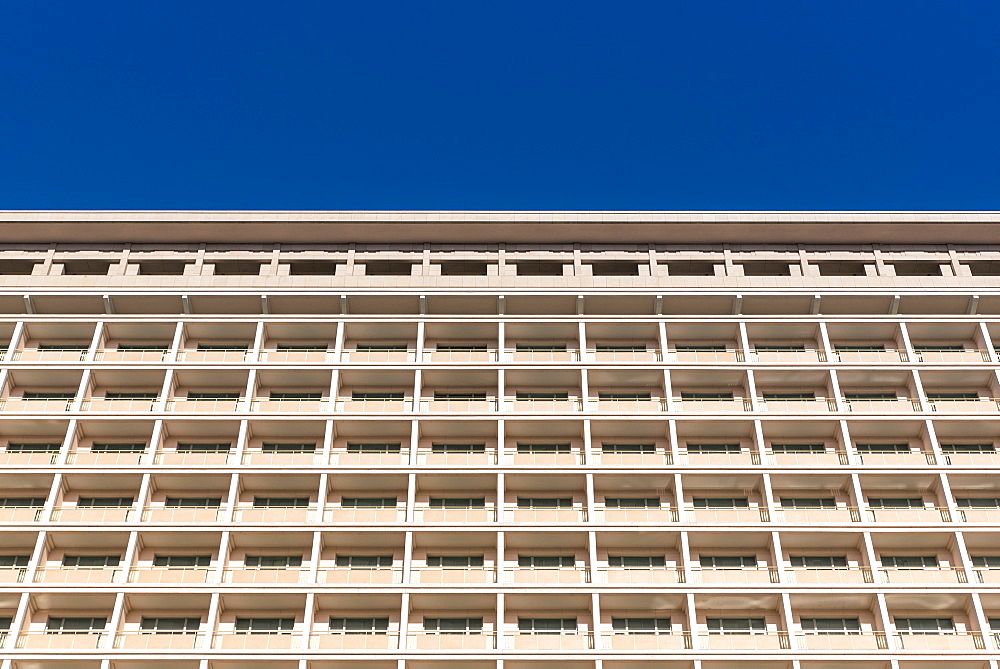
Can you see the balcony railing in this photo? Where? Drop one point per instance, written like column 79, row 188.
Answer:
column 949, row 357
column 463, row 355
column 331, row 640
column 648, row 641
column 26, row 405
column 566, row 355
column 46, row 640
column 279, row 459
column 13, row 574
column 923, row 576
column 544, row 641
column 737, row 576
column 978, row 405
column 48, row 355
column 818, row 460
column 339, row 514
column 453, row 575
column 839, row 576
column 257, row 641
column 358, row 576
column 543, row 405
column 78, row 575
column 266, row 576
column 647, row 356
column 184, row 405
column 546, row 575
column 132, row 355
column 709, row 355
column 247, row 514
column 458, row 405
column 721, row 459
column 21, row 514
column 426, row 456
column 423, row 514
column 170, row 575
column 451, row 640
column 735, row 641
column 626, row 405
column 158, row 640
column 93, row 515
column 842, row 641
column 184, row 514
column 348, row 405
column 904, row 459
column 840, row 515
column 938, row 641
column 213, row 355
column 805, row 405
column 343, row 458
column 513, row 514
column 727, row 516
column 376, row 356
column 987, row 575
column 268, row 405
column 723, row 405
column 115, row 405
column 984, row 460
column 790, row 357
column 889, row 355
column 29, row 459
column 542, row 459
column 192, row 459
column 888, row 406
column 640, row 575
column 293, row 357
column 619, row 515
column 655, row 459
column 926, row 514
column 110, row 458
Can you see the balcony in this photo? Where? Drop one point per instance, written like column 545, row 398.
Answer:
column 453, row 575
column 266, row 575
column 119, row 405
column 429, row 640
column 331, row 640
column 639, row 354
column 735, row 576
column 546, row 575
column 969, row 404
column 840, row 516
column 340, row 514
column 870, row 355
column 543, row 403
column 454, row 403
column 108, row 455
column 184, row 514
column 460, row 354
column 727, row 516
column 52, row 640
column 368, row 403
column 845, row 641
column 296, row 355
column 38, row 404
column 455, row 515
column 54, row 353
column 308, row 403
column 733, row 641
column 131, row 354
column 804, row 403
column 707, row 354
column 831, row 576
column 927, row 514
column 549, row 641
column 658, row 641
column 712, row 403
column 357, row 576
column 627, row 403
column 922, row 576
column 379, row 354
column 876, row 403
column 93, row 515
column 170, row 575
column 256, row 641
column 629, row 515
column 640, row 575
column 214, row 354
column 550, row 516
column 223, row 403
column 542, row 353
column 78, row 575
column 940, row 641
column 950, row 355
column 159, row 640
column 788, row 355
column 250, row 514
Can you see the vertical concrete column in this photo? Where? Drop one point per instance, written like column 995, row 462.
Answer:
column 501, row 456
column 404, row 619
column 316, row 553
column 595, row 619
column 692, row 618
column 826, row 348
column 82, row 391
column 985, row 342
column 174, row 354
column 114, row 624
column 501, row 498
column 142, row 499
column 778, row 555
column 242, row 440
column 250, row 392
column 679, row 499
column 229, row 515
column 166, row 390
column 919, row 388
column 18, row 622
column 34, row 562
column 72, row 431
column 845, row 438
column 254, row 354
column 499, row 566
column 502, row 404
column 16, row 342
column 768, row 494
column 499, row 626
column 411, row 497
column 413, row 451
column 321, row 494
column 417, row 390
column 589, row 456
column 212, row 623
column 859, row 498
column 155, row 442
column 338, row 344
column 838, row 396
column 904, row 336
column 50, row 501
column 95, row 342
column 787, row 618
column 223, row 558
column 761, row 445
column 755, row 402
column 673, row 446
column 308, row 618
column 501, row 342
column 329, row 433
column 421, row 342
column 591, row 505
column 685, row 549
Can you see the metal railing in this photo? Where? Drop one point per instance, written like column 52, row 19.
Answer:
column 789, row 357
column 132, row 355
column 830, row 576
column 731, row 405
column 453, row 575
column 340, row 514
column 938, row 641
column 566, row 640
column 840, row 514
column 514, row 514
column 158, row 640
column 75, row 457
column 737, row 641
column 649, row 355
column 735, row 576
column 923, row 575
column 729, row 355
column 95, row 515
column 464, row 355
column 618, row 515
column 648, row 641
column 566, row 355
column 890, row 355
column 429, row 640
column 640, row 575
column 978, row 405
column 651, row 405
column 348, row 405
column 352, row 355
column 360, row 576
column 807, row 405
column 204, row 405
column 266, row 575
column 458, row 405
column 170, row 575
column 184, row 514
column 78, row 575
column 925, row 514
column 552, row 405
column 424, row 514
column 54, row 640
column 278, row 357
column 335, row 640
column 284, row 640
column 47, row 355
column 853, row 640
column 890, row 406
column 213, row 355
column 546, row 575
column 21, row 404
column 727, row 516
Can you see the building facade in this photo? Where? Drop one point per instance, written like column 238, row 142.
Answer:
column 505, row 440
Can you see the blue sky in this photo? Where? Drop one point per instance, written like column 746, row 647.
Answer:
column 695, row 104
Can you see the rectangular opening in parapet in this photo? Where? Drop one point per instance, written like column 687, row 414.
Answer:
column 312, row 268
column 463, row 268
column 388, row 268
column 237, row 267
column 17, row 267
column 917, row 268
column 841, row 268
column 691, row 268
column 162, row 267
column 615, row 268
column 766, row 268
column 540, row 268
column 977, row 267
column 86, row 267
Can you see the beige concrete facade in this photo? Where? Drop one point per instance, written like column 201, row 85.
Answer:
column 499, row 440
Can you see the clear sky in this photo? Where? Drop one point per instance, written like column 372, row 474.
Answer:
column 683, row 104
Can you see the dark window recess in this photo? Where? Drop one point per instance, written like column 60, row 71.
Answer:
column 130, row 395
column 798, row 448
column 540, row 268
column 947, row 448
column 280, row 502
column 445, row 348
column 388, row 268
column 546, row 625
column 868, row 449
column 721, row 503
column 459, row 396
column 365, row 447
column 540, row 348
column 870, row 396
column 116, row 447
column 296, row 396
column 368, row 502
column 938, row 348
column 819, row 561
column 841, row 268
column 701, row 348
column 632, row 502
column 453, row 625
column 91, row 561
column 788, row 396
column 457, row 503
column 364, row 561
column 984, row 267
column 541, row 396
column 380, row 348
column 377, row 396
column 895, row 503
column 831, row 626
column 690, row 268
column 808, row 503
column 859, row 348
column 978, row 502
column 952, row 396
column 269, row 447
column 182, row 561
column 615, row 268
column 302, row 348
column 33, row 447
column 272, row 561
column 63, row 346
column 640, row 625
column 455, row 561
column 145, row 346
column 627, row 449
column 779, row 348
column 162, row 267
column 17, row 267
column 14, row 561
column 546, row 561
column 917, row 268
column 704, row 449
column 909, row 561
column 705, row 396
column 312, row 268
column 624, row 396
column 621, row 348
column 544, row 502
column 727, row 561
column 463, row 268
column 736, row 625
column 237, row 267
column 212, row 396
column 170, row 625
column 223, row 347
column 458, row 448
column 193, row 502
column 21, row 502
column 637, row 561
column 75, row 625
column 203, row 447
column 45, row 395
column 86, row 267
column 264, row 625
column 104, row 502
column 542, row 448
column 766, row 268
column 359, row 625
column 984, row 561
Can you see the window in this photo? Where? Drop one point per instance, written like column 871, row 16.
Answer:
column 271, row 447
column 237, row 267
column 841, row 268
column 105, row 502
column 264, row 625
column 938, row 348
column 632, row 502
column 457, row 503
column 766, row 268
column 690, row 268
column 458, row 448
column 302, row 348
column 895, row 502
column 14, row 561
column 860, row 348
column 953, row 396
column 212, row 396
column 91, row 561
column 539, row 268
column 774, row 397
column 627, row 449
column 700, row 348
column 727, row 561
column 818, row 561
column 313, row 268
column 170, row 625
column 546, row 625
column 924, row 625
column 544, row 502
column 377, row 396
column 637, row 561
column 223, row 347
column 147, row 346
column 736, row 626
column 808, row 503
column 621, row 348
column 455, row 561
column 193, row 502
column 704, row 449
column 798, row 448
column 359, row 625
column 33, row 447
column 541, row 396
column 986, row 561
column 542, row 448
column 280, row 502
column 463, row 268
column 978, row 502
column 695, row 397
column 364, row 561
column 540, row 348
column 439, row 395
column 380, row 348
column 117, row 447
column 43, row 395
column 870, row 396
column 366, row 447
column 63, row 346
column 545, row 561
column 830, row 625
column 272, row 561
column 182, row 561
column 82, row 625
column 721, row 503
column 950, row 449
column 21, row 502
column 368, row 502
column 295, row 396
column 909, row 561
column 5, row 623
column 453, row 625
column 203, row 448
column 130, row 395
column 388, row 268
column 624, row 396
column 640, row 625
column 868, row 449
column 614, row 268
column 780, row 348
column 445, row 348
column 917, row 268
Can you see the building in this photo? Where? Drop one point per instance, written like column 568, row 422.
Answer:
column 384, row 440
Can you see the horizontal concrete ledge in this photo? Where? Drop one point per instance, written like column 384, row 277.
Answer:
column 486, row 227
